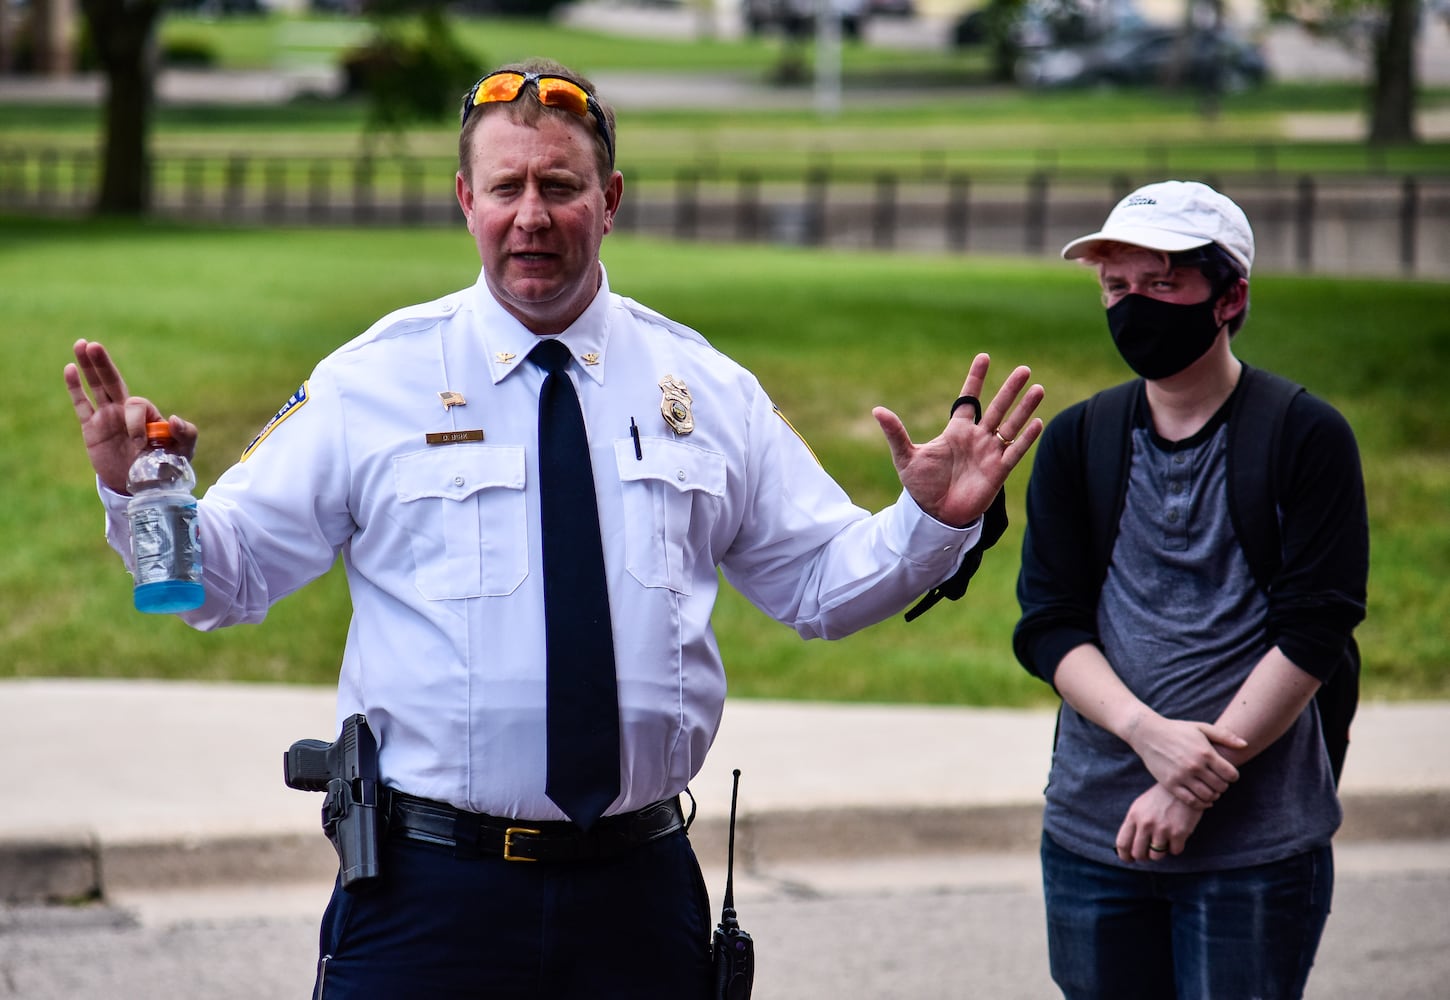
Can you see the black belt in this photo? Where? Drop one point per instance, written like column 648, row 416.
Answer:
column 470, row 833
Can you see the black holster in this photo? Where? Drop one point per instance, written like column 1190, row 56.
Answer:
column 354, row 814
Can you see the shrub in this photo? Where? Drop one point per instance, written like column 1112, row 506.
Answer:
column 187, row 50
column 405, row 78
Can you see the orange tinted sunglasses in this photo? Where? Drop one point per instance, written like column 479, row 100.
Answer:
column 504, row 87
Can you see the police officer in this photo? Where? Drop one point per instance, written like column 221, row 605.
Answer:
column 416, row 451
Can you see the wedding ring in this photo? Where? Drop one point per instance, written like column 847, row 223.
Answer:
column 1157, row 849
column 1006, row 442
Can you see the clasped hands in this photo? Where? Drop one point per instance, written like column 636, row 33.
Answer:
column 1187, row 759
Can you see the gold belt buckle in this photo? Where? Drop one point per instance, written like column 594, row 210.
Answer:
column 508, row 842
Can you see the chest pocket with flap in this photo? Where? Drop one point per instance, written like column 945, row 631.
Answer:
column 465, row 512
column 668, row 493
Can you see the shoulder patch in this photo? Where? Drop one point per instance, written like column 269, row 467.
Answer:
column 294, row 403
column 786, row 421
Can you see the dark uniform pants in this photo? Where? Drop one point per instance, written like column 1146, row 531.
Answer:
column 440, row 926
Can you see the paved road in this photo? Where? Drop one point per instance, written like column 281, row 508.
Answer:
column 926, row 928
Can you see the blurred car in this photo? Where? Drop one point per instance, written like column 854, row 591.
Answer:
column 1146, row 55
column 796, row 19
column 891, row 8
column 1024, row 25
column 224, row 8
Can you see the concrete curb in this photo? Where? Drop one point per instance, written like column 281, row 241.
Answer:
column 78, row 865
column 854, row 782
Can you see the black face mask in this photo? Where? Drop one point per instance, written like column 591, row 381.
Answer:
column 1158, row 339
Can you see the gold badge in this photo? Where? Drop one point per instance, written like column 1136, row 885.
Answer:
column 452, row 399
column 504, row 357
column 591, row 358
column 675, row 405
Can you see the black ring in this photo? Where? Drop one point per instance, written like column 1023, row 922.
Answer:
column 976, row 407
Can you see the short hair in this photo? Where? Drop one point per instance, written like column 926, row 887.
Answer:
column 1221, row 270
column 531, row 111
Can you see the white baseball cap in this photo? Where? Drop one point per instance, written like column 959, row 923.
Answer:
column 1173, row 216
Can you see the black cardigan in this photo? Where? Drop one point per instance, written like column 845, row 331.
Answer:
column 1315, row 600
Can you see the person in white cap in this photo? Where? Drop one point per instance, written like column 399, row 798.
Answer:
column 1193, row 566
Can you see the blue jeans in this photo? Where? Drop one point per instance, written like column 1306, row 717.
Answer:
column 1135, row 934
column 441, row 927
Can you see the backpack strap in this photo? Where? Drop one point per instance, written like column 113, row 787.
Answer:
column 1256, row 428
column 1255, row 470
column 1107, row 445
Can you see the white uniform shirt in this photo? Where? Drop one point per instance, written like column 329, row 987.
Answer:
column 445, row 651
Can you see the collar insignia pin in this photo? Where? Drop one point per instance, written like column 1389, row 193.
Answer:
column 591, row 358
column 504, row 357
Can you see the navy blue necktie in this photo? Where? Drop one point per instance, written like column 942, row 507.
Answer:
column 583, row 698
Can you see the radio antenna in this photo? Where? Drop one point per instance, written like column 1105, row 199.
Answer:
column 727, row 915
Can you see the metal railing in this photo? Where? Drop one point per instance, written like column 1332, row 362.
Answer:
column 1352, row 224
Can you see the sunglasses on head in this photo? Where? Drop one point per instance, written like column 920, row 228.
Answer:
column 553, row 92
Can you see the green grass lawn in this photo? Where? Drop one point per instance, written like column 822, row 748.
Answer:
column 221, row 325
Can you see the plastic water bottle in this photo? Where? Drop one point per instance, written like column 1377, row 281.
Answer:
column 164, row 545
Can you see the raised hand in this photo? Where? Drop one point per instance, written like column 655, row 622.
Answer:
column 113, row 423
column 954, row 476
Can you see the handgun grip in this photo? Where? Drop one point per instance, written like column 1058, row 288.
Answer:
column 305, row 765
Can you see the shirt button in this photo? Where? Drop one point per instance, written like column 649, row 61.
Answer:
column 680, row 475
column 457, row 480
column 1175, row 488
column 1179, row 459
column 1173, row 517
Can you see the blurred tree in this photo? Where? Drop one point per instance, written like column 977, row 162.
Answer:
column 426, row 82
column 999, row 28
column 412, row 68
column 1387, row 29
column 1392, row 95
column 123, row 33
column 9, row 34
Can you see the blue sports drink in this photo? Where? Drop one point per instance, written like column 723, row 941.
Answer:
column 165, row 550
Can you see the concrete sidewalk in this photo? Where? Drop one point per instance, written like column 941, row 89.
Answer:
column 127, row 784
